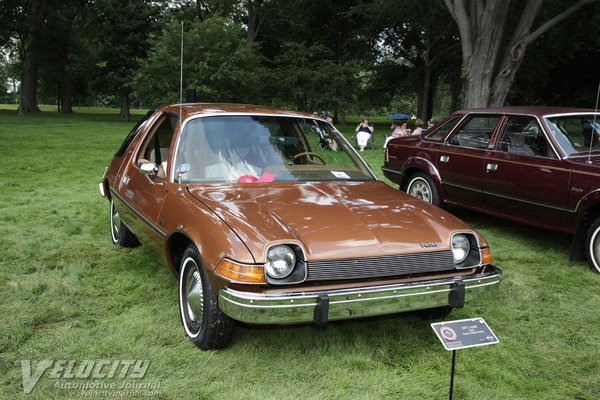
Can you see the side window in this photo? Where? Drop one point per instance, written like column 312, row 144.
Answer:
column 156, row 147
column 476, row 132
column 443, row 130
column 136, row 129
column 523, row 136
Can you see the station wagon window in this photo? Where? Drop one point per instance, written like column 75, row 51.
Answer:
column 576, row 134
column 523, row 136
column 443, row 130
column 156, row 147
column 476, row 132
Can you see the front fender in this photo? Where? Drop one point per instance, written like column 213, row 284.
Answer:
column 586, row 212
column 189, row 221
column 421, row 164
column 590, row 201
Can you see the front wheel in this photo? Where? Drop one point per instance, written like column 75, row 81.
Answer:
column 204, row 323
column 592, row 246
column 421, row 186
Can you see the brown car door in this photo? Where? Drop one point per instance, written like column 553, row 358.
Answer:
column 523, row 177
column 145, row 194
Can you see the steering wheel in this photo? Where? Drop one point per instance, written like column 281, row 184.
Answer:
column 310, row 153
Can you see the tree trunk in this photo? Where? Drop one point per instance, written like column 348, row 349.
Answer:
column 66, row 90
column 488, row 68
column 125, row 107
column 257, row 12
column 29, row 62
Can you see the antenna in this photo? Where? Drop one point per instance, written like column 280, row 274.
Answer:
column 181, row 75
column 593, row 127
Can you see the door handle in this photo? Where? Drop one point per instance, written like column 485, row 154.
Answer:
column 491, row 167
column 444, row 158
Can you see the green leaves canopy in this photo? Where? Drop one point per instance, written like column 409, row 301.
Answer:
column 216, row 61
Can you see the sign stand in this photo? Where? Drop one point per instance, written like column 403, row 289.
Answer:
column 463, row 334
column 452, row 373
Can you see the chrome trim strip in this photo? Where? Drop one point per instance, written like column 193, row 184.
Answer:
column 456, row 185
column 391, row 170
column 298, row 307
column 521, row 200
column 151, row 225
column 550, row 206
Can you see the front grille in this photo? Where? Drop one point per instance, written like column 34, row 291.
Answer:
column 372, row 267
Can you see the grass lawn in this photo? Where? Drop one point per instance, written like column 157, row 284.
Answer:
column 66, row 293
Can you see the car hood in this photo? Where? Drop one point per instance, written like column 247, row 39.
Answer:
column 585, row 163
column 330, row 219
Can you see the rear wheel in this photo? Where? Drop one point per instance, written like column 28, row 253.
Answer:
column 592, row 246
column 421, row 186
column 120, row 234
column 204, row 323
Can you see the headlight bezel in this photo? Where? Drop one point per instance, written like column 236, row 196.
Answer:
column 280, row 261
column 473, row 256
column 461, row 247
column 299, row 271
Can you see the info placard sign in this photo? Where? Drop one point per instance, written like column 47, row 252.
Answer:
column 464, row 333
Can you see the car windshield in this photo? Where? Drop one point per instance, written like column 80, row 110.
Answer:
column 576, row 134
column 245, row 148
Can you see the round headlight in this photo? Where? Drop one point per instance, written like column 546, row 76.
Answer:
column 460, row 248
column 280, row 261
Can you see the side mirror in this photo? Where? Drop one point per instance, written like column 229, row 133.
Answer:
column 181, row 170
column 148, row 169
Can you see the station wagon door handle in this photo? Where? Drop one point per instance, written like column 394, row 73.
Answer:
column 491, row 167
column 444, row 158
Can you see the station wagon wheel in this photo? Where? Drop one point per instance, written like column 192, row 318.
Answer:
column 204, row 323
column 119, row 232
column 592, row 246
column 421, row 186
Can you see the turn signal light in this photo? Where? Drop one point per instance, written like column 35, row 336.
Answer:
column 240, row 273
column 486, row 256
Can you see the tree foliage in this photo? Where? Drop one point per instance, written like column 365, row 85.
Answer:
column 216, row 62
column 315, row 55
column 122, row 28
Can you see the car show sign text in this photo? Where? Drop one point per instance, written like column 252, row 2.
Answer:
column 464, row 333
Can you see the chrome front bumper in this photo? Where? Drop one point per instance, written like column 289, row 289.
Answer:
column 322, row 306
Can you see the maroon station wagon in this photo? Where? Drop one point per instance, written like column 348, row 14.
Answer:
column 535, row 165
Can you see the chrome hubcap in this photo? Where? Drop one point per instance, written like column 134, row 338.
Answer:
column 420, row 189
column 194, row 295
column 115, row 222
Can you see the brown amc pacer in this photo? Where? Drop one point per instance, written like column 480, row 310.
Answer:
column 263, row 222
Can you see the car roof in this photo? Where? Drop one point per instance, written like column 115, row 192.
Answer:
column 203, row 109
column 529, row 110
